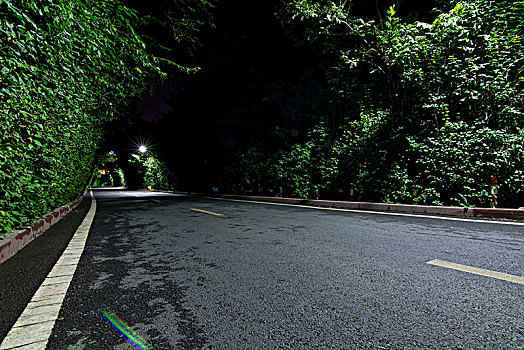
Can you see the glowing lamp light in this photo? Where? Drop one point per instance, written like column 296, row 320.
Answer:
column 142, row 149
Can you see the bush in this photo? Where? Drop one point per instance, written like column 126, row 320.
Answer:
column 68, row 67
column 459, row 160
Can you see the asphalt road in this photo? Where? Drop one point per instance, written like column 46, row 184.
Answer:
column 264, row 276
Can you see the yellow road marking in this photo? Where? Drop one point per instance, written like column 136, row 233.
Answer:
column 207, row 212
column 477, row 271
column 156, row 200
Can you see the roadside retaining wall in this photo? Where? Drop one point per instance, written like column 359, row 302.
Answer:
column 488, row 213
column 17, row 240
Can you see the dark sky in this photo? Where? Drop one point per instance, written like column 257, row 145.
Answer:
column 255, row 81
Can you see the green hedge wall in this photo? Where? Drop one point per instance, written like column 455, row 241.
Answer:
column 67, row 67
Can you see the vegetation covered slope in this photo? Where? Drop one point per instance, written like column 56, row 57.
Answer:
column 67, row 68
column 406, row 111
column 402, row 104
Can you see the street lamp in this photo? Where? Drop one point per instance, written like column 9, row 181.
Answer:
column 142, row 149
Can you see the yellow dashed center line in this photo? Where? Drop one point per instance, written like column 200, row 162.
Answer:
column 207, row 212
column 477, row 271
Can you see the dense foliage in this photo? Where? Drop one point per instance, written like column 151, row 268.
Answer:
column 67, row 68
column 411, row 111
column 420, row 103
column 153, row 173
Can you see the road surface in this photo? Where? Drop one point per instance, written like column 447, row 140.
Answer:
column 199, row 273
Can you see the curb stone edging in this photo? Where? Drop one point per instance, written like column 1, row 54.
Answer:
column 484, row 213
column 499, row 213
column 15, row 241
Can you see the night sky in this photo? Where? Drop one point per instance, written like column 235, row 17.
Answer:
column 255, row 82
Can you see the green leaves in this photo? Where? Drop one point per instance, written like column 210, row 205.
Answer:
column 458, row 161
column 67, row 68
column 156, row 173
column 441, row 104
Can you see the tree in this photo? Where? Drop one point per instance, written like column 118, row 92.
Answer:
column 67, row 68
column 404, row 85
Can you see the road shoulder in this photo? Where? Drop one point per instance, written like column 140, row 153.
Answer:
column 22, row 275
